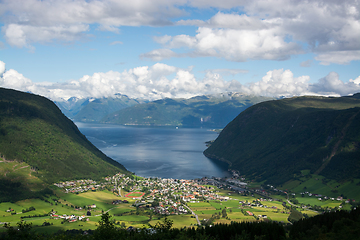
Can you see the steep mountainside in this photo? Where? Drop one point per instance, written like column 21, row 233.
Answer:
column 276, row 140
column 202, row 111
column 34, row 132
column 93, row 110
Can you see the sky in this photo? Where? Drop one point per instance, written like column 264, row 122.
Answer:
column 180, row 48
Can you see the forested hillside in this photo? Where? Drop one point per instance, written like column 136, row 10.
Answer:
column 34, row 132
column 274, row 141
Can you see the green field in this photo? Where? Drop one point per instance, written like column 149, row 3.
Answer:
column 65, row 205
column 315, row 201
column 318, row 184
column 272, row 209
column 132, row 218
column 124, row 213
column 134, row 194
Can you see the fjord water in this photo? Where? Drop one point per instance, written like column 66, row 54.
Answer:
column 157, row 151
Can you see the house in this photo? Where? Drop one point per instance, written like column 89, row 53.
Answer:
column 250, row 213
column 339, row 198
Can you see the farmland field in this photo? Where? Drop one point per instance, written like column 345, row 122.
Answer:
column 134, row 194
column 92, row 204
column 315, row 201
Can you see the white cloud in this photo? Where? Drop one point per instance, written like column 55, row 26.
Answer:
column 224, row 4
column 283, row 83
column 161, row 80
column 279, row 83
column 231, row 44
column 332, row 85
column 15, row 35
column 227, row 71
column 162, row 39
column 159, row 54
column 329, row 29
column 356, row 81
column 230, row 20
column 325, row 27
column 15, row 80
column 116, row 43
column 24, row 35
column 306, row 63
column 26, row 22
column 339, row 57
column 2, row 68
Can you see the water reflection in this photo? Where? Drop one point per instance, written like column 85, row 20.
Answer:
column 157, row 152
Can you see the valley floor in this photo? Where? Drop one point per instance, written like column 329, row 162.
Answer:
column 141, row 202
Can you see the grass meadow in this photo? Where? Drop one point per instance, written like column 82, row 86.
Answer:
column 317, row 184
column 64, row 203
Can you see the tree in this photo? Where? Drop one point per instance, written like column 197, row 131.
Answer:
column 224, row 214
column 106, row 229
column 163, row 226
column 23, row 231
column 123, row 225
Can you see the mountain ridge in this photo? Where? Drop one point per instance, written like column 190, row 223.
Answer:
column 34, row 131
column 275, row 140
column 94, row 109
column 199, row 111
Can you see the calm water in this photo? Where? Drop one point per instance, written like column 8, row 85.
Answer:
column 156, row 152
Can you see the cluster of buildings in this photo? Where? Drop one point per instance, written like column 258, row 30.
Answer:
column 80, row 186
column 71, row 218
column 321, row 197
column 257, row 204
column 233, row 184
column 169, row 208
column 166, row 196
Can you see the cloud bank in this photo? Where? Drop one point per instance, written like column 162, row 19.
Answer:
column 240, row 31
column 154, row 82
column 273, row 30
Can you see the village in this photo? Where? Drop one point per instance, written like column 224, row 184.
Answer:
column 173, row 196
column 162, row 196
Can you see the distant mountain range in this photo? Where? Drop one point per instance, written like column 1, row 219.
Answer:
column 282, row 140
column 95, row 109
column 35, row 135
column 201, row 111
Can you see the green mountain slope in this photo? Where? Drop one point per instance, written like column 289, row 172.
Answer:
column 202, row 111
column 34, row 131
column 276, row 140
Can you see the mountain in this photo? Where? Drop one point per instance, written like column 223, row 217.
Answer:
column 94, row 109
column 72, row 106
column 281, row 140
column 201, row 111
column 35, row 135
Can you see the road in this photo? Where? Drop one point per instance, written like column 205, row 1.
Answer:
column 298, row 206
column 196, row 216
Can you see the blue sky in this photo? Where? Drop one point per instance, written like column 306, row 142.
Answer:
column 164, row 48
